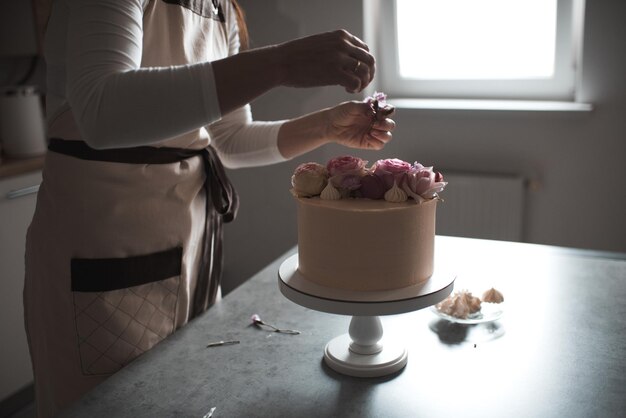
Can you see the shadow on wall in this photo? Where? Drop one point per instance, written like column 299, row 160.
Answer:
column 266, row 224
column 262, row 230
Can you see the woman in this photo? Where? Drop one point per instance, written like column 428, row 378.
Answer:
column 146, row 99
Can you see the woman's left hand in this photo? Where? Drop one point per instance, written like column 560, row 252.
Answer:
column 356, row 125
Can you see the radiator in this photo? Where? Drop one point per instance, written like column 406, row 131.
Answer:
column 482, row 206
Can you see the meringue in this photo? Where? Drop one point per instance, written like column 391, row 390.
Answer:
column 493, row 296
column 460, row 305
column 396, row 194
column 330, row 193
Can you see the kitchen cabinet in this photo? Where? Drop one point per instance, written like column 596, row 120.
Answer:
column 17, row 205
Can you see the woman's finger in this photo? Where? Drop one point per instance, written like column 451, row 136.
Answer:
column 382, row 136
column 362, row 55
column 384, row 125
column 374, row 143
column 359, row 50
column 366, row 63
column 363, row 72
column 358, row 42
column 358, row 109
column 350, row 81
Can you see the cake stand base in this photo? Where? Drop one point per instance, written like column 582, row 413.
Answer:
column 362, row 352
column 338, row 356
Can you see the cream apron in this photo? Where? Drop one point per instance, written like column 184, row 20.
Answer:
column 124, row 247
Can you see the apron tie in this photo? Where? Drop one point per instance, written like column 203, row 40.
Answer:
column 222, row 201
column 225, row 203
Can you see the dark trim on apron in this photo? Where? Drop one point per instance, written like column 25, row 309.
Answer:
column 205, row 8
column 222, row 201
column 107, row 274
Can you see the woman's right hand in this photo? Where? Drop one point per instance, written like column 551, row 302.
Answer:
column 330, row 58
column 326, row 59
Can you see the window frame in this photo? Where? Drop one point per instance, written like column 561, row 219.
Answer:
column 380, row 33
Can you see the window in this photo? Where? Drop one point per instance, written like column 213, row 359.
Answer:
column 476, row 49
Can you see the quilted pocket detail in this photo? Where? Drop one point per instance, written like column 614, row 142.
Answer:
column 123, row 306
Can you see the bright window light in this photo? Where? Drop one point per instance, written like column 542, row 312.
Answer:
column 476, row 40
column 476, row 49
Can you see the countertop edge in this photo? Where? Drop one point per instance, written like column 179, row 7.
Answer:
column 11, row 167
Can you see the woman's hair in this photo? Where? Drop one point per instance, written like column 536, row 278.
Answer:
column 241, row 23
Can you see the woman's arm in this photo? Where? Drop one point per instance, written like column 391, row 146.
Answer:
column 114, row 101
column 242, row 142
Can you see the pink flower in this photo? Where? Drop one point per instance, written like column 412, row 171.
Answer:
column 423, row 183
column 378, row 97
column 348, row 182
column 390, row 170
column 372, row 187
column 378, row 104
column 309, row 179
column 346, row 172
column 345, row 165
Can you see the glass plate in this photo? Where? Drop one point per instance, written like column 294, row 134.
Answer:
column 489, row 312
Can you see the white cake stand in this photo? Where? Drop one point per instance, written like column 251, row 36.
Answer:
column 363, row 352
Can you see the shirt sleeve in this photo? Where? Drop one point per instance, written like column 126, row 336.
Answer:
column 115, row 102
column 240, row 141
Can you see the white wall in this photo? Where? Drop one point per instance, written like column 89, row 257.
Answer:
column 578, row 159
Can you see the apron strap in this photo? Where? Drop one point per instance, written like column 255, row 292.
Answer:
column 223, row 194
column 225, row 203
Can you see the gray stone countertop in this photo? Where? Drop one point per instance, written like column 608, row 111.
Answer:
column 558, row 350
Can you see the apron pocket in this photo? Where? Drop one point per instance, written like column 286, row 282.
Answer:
column 123, row 306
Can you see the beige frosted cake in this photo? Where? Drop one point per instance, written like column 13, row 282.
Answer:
column 366, row 229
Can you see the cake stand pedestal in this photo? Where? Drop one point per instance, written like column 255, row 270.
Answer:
column 363, row 352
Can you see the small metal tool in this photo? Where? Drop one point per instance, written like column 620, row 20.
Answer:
column 219, row 343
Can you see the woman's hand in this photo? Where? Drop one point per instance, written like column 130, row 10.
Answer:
column 352, row 124
column 355, row 125
column 330, row 58
column 326, row 59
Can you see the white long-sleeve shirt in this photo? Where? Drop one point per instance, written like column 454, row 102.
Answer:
column 126, row 73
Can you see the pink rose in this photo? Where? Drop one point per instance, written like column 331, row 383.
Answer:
column 348, row 182
column 345, row 172
column 390, row 170
column 423, row 183
column 309, row 179
column 345, row 165
column 372, row 187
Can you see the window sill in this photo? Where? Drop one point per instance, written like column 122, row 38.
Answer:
column 491, row 105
